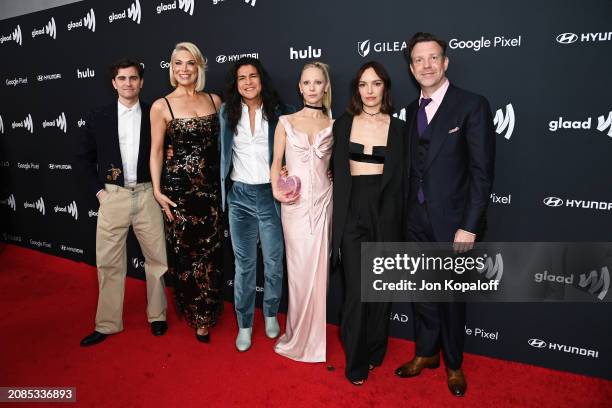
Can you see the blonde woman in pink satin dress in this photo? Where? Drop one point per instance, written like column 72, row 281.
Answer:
column 305, row 141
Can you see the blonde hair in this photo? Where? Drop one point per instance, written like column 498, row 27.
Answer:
column 327, row 98
column 200, row 61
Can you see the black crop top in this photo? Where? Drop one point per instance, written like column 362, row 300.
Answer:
column 356, row 153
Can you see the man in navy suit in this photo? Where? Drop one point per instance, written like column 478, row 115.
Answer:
column 114, row 160
column 451, row 173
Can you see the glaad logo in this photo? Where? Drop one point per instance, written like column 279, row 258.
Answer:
column 222, row 59
column 1, row 125
column 86, row 73
column 82, row 122
column 26, row 124
column 397, row 317
column 70, row 209
column 39, row 205
column 185, row 5
column 541, row 344
column 364, row 47
column 482, row 42
column 571, row 203
column 504, row 122
column 14, row 36
column 605, row 123
column 60, row 123
column 570, row 38
column 10, row 201
column 599, row 283
column 493, row 271
column 92, row 213
column 137, row 263
column 89, row 22
column 309, row 53
column 48, row 77
column 49, row 29
column 133, row 13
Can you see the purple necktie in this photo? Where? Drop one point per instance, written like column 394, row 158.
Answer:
column 421, row 126
column 422, row 116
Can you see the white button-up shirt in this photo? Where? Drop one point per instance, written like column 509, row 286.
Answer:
column 129, row 141
column 250, row 151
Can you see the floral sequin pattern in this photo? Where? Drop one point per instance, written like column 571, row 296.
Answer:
column 195, row 237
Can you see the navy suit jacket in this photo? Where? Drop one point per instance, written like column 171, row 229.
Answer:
column 99, row 155
column 459, row 169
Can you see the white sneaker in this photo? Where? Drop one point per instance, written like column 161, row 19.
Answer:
column 243, row 341
column 272, row 327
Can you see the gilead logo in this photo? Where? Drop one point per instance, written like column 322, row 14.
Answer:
column 364, row 47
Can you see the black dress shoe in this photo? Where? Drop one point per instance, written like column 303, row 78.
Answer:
column 159, row 328
column 94, row 338
column 204, row 338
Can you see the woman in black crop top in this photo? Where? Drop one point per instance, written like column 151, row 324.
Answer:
column 368, row 166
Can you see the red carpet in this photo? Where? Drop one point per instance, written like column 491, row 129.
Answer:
column 48, row 305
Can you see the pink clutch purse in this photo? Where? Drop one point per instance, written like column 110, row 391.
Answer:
column 289, row 185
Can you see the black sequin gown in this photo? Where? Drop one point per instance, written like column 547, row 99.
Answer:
column 191, row 180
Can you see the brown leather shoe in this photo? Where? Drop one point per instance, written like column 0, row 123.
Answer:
column 456, row 382
column 416, row 365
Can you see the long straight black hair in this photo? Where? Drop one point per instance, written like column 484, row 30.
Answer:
column 233, row 99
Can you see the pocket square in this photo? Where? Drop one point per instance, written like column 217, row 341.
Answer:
column 453, row 130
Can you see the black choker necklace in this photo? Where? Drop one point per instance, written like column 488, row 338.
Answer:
column 371, row 114
column 321, row 108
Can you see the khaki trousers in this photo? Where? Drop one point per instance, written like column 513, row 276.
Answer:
column 122, row 207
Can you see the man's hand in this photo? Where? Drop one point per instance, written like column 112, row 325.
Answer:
column 464, row 241
column 102, row 196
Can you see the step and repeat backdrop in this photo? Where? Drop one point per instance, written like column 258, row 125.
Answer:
column 544, row 67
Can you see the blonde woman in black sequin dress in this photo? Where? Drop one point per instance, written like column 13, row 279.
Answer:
column 189, row 192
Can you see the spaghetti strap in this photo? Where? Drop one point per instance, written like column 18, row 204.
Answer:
column 168, row 103
column 213, row 102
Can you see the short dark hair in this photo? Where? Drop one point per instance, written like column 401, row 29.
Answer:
column 425, row 37
column 126, row 63
column 356, row 104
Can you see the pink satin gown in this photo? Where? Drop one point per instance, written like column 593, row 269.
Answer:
column 307, row 232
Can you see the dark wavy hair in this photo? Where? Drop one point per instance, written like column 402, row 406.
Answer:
column 269, row 96
column 356, row 105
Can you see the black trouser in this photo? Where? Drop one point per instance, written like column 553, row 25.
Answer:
column 364, row 326
column 435, row 323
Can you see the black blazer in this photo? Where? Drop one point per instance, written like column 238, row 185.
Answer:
column 99, row 156
column 391, row 189
column 460, row 163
